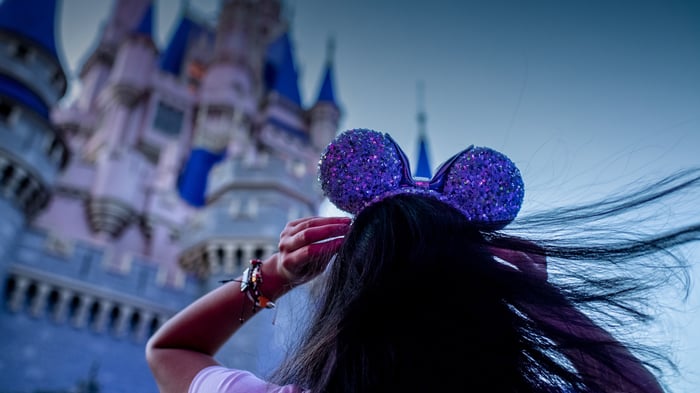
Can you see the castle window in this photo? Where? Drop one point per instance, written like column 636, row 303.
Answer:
column 5, row 111
column 7, row 174
column 149, row 151
column 220, row 255
column 168, row 119
column 22, row 52
column 10, row 285
column 23, row 184
column 134, row 323
column 153, row 326
column 93, row 315
column 57, row 80
column 31, row 295
column 52, row 304
column 73, row 307
column 239, row 258
column 114, row 319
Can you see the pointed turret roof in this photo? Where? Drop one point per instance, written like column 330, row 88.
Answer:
column 145, row 26
column 281, row 74
column 423, row 167
column 32, row 19
column 326, row 93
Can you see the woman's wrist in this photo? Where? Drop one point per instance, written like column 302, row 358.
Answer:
column 275, row 282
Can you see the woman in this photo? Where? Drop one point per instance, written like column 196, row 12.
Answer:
column 430, row 290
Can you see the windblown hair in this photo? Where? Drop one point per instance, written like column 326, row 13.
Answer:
column 416, row 299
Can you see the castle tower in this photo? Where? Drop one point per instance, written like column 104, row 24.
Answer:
column 116, row 200
column 185, row 162
column 32, row 81
column 265, row 177
column 101, row 125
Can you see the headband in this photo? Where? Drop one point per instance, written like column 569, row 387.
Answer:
column 361, row 167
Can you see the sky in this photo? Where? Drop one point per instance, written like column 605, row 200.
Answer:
column 585, row 97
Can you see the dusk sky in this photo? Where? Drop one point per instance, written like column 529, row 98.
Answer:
column 584, row 96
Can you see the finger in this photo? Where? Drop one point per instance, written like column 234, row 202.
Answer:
column 308, row 261
column 326, row 249
column 307, row 222
column 295, row 227
column 312, row 252
column 311, row 235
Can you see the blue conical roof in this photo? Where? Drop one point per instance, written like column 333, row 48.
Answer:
column 145, row 26
column 35, row 20
column 423, row 167
column 281, row 74
column 327, row 93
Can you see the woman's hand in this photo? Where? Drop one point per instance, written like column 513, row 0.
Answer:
column 306, row 246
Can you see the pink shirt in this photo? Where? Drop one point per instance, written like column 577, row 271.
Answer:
column 218, row 379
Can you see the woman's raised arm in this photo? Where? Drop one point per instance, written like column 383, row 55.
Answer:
column 187, row 342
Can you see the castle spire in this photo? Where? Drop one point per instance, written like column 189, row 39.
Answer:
column 325, row 114
column 326, row 92
column 423, row 167
column 286, row 78
column 145, row 26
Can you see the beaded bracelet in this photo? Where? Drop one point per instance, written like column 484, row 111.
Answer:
column 250, row 284
column 252, row 280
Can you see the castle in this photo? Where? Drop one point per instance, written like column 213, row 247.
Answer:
column 168, row 172
column 172, row 168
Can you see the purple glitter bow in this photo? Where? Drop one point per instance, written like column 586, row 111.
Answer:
column 360, row 167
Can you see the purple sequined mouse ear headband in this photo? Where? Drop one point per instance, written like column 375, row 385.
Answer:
column 361, row 166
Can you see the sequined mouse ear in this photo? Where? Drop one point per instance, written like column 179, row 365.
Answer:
column 485, row 185
column 357, row 166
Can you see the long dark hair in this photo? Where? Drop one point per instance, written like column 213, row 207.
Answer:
column 417, row 299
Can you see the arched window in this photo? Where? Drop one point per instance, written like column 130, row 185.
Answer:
column 73, row 307
column 52, row 302
column 10, row 287
column 153, row 326
column 93, row 315
column 239, row 258
column 31, row 295
column 113, row 324
column 134, row 323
